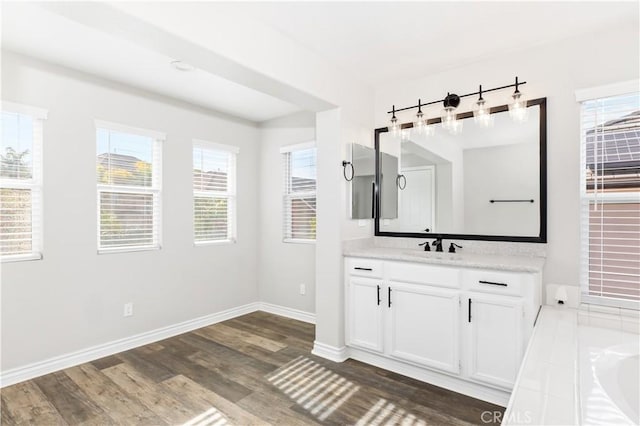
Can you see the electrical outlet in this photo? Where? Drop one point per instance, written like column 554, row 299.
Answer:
column 128, row 309
column 303, row 289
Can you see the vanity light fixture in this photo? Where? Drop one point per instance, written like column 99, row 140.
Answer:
column 518, row 107
column 395, row 126
column 449, row 117
column 421, row 123
column 481, row 113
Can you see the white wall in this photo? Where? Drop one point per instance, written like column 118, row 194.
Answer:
column 554, row 71
column 282, row 266
column 73, row 298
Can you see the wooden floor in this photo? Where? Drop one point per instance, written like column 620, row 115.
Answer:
column 255, row 369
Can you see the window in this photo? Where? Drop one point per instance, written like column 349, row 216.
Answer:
column 128, row 166
column 214, row 192
column 21, row 182
column 299, row 200
column 610, row 196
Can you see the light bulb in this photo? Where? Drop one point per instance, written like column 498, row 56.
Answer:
column 448, row 118
column 429, row 130
column 481, row 114
column 420, row 123
column 394, row 128
column 455, row 127
column 518, row 107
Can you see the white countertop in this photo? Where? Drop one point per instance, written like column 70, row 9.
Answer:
column 460, row 259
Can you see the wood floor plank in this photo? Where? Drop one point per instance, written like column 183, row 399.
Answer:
column 150, row 394
column 24, row 403
column 111, row 398
column 143, row 362
column 260, row 330
column 254, row 339
column 106, row 362
column 71, row 401
column 209, row 379
column 225, row 353
column 185, row 387
column 274, row 410
column 227, row 338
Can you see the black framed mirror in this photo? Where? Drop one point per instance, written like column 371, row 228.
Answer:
column 487, row 182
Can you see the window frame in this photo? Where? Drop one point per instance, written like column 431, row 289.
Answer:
column 34, row 185
column 231, row 194
column 586, row 197
column 287, row 195
column 156, row 191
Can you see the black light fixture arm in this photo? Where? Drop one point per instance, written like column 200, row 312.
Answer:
column 480, row 92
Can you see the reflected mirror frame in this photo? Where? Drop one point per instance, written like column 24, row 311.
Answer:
column 542, row 236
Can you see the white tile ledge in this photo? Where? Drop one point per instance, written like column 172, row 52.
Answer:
column 545, row 392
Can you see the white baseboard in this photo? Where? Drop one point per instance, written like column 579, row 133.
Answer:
column 330, row 352
column 61, row 362
column 295, row 314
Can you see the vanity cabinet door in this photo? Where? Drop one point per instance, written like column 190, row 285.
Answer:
column 495, row 338
column 364, row 313
column 424, row 325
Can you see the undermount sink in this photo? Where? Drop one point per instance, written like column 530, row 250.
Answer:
column 434, row 255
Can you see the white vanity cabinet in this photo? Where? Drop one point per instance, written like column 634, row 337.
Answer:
column 495, row 338
column 422, row 325
column 464, row 328
column 364, row 313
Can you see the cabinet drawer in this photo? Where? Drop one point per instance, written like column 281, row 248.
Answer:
column 440, row 276
column 497, row 282
column 364, row 267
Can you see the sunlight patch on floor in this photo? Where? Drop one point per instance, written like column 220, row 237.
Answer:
column 211, row 417
column 315, row 388
column 384, row 412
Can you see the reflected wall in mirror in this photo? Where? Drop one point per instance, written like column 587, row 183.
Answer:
column 363, row 160
column 483, row 183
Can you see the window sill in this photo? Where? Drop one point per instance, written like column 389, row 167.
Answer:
column 21, row 257
column 610, row 302
column 214, row 243
column 295, row 241
column 127, row 249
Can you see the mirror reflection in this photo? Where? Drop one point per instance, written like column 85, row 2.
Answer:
column 480, row 181
column 363, row 160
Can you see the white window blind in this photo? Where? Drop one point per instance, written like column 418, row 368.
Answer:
column 21, row 182
column 128, row 166
column 214, row 192
column 299, row 200
column 610, row 192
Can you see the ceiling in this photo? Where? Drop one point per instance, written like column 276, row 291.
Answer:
column 62, row 41
column 381, row 42
column 376, row 42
